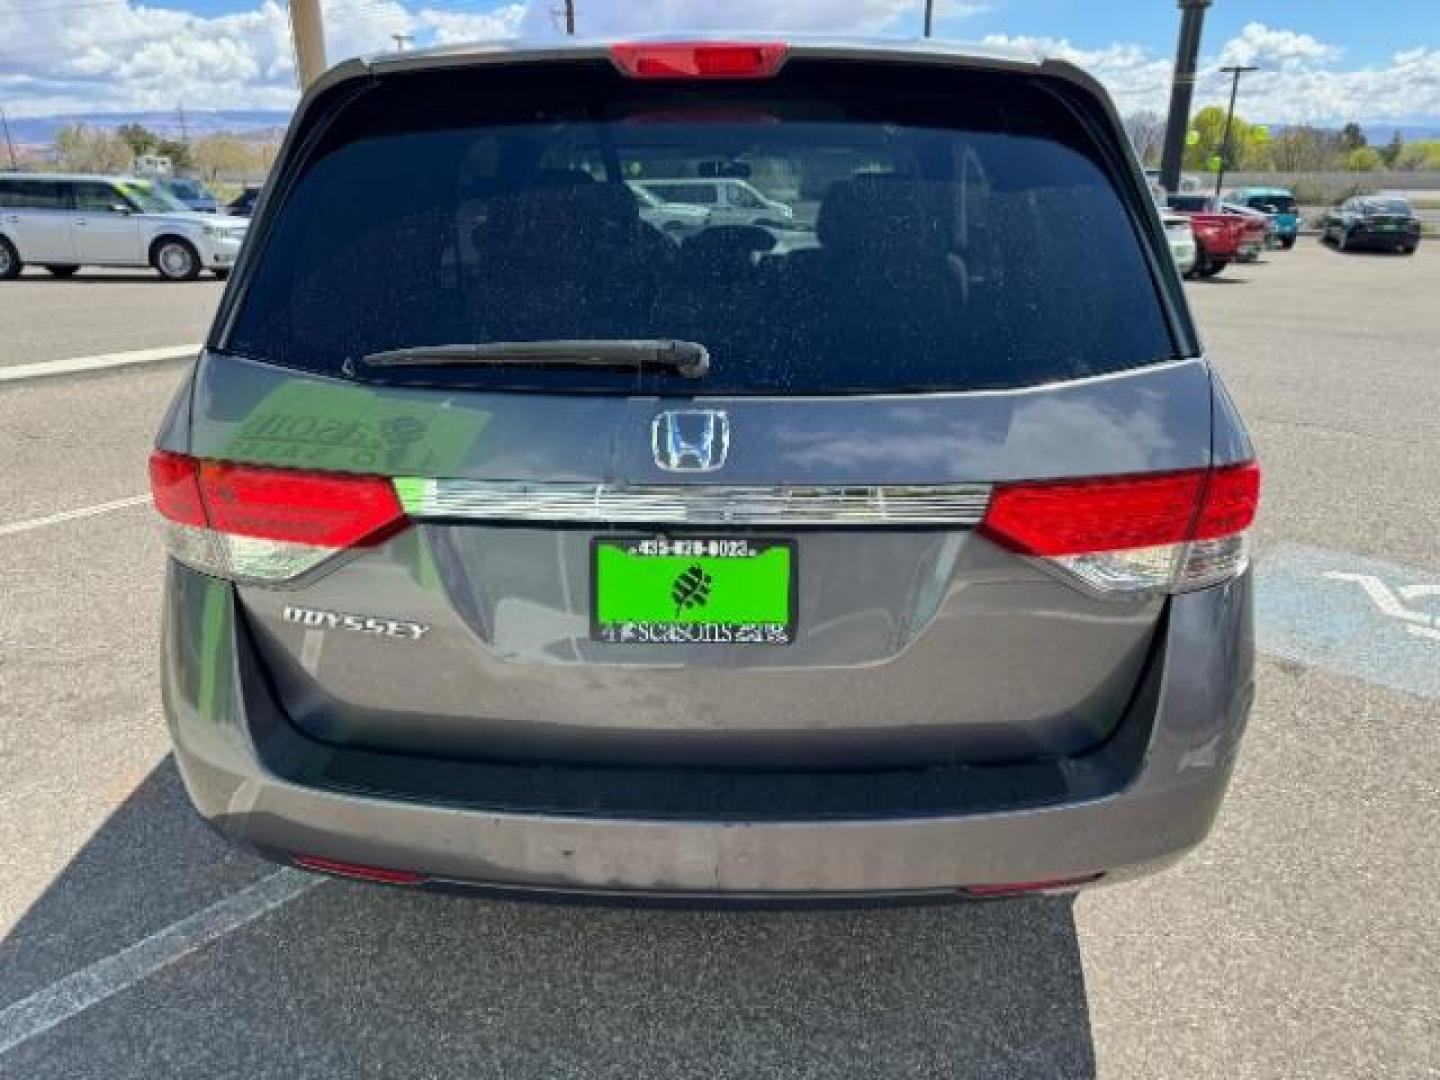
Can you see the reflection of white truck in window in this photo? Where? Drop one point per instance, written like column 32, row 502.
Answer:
column 153, row 165
column 730, row 201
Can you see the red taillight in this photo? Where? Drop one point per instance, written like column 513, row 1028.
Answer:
column 700, row 60
column 1084, row 516
column 324, row 509
column 1231, row 498
column 1133, row 534
column 267, row 524
column 358, row 871
column 175, row 488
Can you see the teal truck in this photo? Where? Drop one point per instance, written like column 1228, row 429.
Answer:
column 1279, row 203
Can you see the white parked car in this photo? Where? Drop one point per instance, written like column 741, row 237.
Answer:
column 728, row 200
column 1181, row 238
column 676, row 221
column 65, row 221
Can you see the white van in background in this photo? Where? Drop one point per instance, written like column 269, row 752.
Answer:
column 730, row 200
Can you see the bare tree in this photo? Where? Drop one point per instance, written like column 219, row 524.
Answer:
column 87, row 149
column 1147, row 136
column 1302, row 149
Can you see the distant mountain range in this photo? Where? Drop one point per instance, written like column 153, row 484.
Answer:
column 40, row 130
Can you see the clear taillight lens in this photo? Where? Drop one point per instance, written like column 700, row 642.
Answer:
column 265, row 524
column 1168, row 532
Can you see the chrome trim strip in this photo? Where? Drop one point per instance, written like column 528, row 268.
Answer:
column 695, row 504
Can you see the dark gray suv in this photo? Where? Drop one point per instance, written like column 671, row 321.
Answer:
column 896, row 549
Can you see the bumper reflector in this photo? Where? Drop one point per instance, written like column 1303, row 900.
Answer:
column 357, row 871
column 1029, row 888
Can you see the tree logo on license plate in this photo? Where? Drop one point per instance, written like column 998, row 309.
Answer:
column 691, row 588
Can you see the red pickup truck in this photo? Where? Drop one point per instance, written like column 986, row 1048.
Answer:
column 1220, row 238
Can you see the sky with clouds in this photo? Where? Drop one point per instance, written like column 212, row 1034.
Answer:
column 1323, row 61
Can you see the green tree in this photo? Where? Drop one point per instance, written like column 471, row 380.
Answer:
column 1351, row 137
column 140, row 139
column 177, row 151
column 1363, row 159
column 1420, row 155
column 1391, row 151
column 1248, row 141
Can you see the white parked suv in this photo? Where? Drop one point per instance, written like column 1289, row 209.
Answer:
column 730, row 201
column 65, row 221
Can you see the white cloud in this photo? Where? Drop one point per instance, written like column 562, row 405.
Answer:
column 98, row 55
column 1258, row 44
column 1299, row 80
column 605, row 17
column 1135, row 78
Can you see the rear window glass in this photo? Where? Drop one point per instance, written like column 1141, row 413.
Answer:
column 892, row 229
column 1191, row 204
column 1282, row 204
column 1387, row 206
column 32, row 194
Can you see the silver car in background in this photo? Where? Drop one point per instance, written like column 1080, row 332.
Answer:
column 63, row 221
column 516, row 547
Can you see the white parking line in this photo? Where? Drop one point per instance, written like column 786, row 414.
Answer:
column 78, row 364
column 91, row 985
column 71, row 515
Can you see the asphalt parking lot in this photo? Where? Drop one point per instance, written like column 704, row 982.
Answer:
column 1301, row 941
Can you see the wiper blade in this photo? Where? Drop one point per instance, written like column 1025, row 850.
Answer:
column 687, row 358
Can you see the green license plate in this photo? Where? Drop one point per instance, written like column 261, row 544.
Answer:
column 692, row 590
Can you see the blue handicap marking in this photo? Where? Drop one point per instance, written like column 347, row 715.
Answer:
column 1375, row 620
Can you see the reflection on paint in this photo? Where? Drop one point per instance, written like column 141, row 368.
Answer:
column 347, row 428
column 215, row 638
column 1374, row 620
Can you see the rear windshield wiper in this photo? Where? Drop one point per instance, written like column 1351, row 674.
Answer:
column 686, row 358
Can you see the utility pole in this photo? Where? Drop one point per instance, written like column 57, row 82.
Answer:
column 929, row 16
column 1187, row 52
column 5, row 122
column 570, row 17
column 1235, row 73
column 307, row 28
column 401, row 40
column 184, row 125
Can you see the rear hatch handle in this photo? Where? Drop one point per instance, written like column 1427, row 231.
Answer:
column 687, row 358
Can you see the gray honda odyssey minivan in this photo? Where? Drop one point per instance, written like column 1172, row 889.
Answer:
column 893, row 549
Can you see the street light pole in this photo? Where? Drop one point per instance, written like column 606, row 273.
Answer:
column 1187, row 52
column 1235, row 72
column 929, row 16
column 5, row 120
column 307, row 28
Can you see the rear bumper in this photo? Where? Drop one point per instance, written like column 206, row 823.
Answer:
column 1134, row 805
column 1382, row 239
